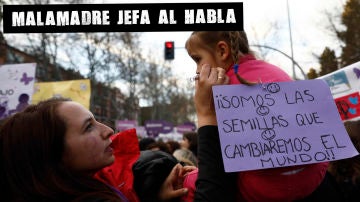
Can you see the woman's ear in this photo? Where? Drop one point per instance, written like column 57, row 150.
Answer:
column 223, row 50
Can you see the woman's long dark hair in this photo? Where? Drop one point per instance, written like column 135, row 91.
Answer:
column 193, row 143
column 31, row 152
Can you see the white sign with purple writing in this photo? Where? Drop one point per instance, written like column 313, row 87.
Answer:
column 279, row 124
column 16, row 87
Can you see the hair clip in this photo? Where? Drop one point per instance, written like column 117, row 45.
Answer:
column 236, row 67
column 262, row 85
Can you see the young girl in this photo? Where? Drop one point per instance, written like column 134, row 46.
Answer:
column 230, row 51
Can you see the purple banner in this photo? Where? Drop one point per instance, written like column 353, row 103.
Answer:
column 185, row 127
column 140, row 131
column 167, row 127
column 125, row 124
column 154, row 127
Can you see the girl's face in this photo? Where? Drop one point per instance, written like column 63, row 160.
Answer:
column 87, row 142
column 202, row 56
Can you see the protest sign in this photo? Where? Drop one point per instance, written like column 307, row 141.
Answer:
column 279, row 124
column 345, row 87
column 76, row 90
column 16, row 87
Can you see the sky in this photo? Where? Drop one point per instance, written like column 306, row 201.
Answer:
column 266, row 23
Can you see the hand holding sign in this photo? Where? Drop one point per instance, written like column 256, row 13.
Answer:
column 279, row 124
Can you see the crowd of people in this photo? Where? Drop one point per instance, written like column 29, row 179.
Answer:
column 57, row 151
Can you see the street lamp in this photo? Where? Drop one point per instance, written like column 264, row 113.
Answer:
column 291, row 42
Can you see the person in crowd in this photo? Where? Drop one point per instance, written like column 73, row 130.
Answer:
column 163, row 146
column 347, row 171
column 212, row 182
column 186, row 157
column 230, row 51
column 173, row 145
column 150, row 143
column 52, row 150
column 151, row 170
column 125, row 145
column 146, row 143
column 190, row 142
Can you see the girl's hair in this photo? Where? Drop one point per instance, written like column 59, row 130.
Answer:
column 192, row 137
column 237, row 41
column 31, row 152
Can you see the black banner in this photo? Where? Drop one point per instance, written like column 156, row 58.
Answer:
column 59, row 18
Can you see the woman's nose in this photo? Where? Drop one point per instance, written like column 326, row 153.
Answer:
column 106, row 131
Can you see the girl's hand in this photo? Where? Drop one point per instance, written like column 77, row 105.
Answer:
column 203, row 99
column 172, row 186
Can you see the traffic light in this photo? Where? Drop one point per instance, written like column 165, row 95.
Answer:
column 169, row 50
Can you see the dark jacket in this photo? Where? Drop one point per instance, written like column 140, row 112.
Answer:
column 213, row 184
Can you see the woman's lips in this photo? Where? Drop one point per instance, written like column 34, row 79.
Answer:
column 109, row 149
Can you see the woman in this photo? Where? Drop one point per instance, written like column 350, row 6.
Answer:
column 190, row 142
column 51, row 151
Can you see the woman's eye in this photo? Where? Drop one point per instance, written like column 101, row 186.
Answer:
column 89, row 127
